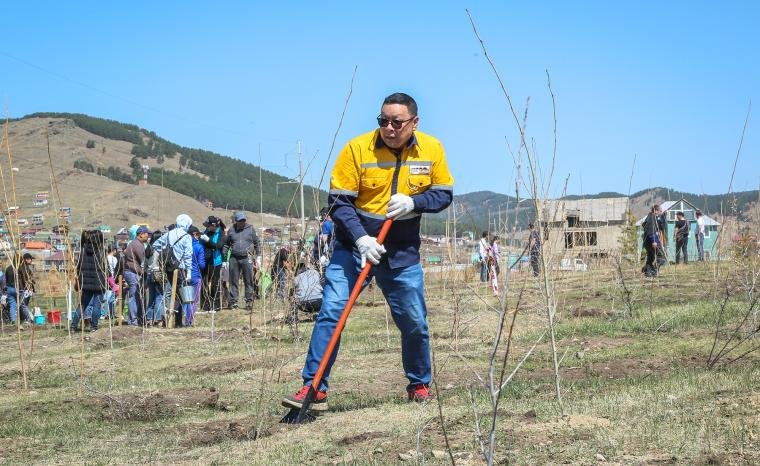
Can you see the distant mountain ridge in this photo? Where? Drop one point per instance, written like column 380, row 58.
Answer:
column 477, row 210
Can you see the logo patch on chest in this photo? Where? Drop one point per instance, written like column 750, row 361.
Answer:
column 419, row 169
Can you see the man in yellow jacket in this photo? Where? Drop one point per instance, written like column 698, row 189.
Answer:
column 391, row 172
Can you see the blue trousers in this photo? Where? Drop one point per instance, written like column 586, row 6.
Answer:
column 135, row 302
column 155, row 308
column 13, row 303
column 89, row 299
column 403, row 288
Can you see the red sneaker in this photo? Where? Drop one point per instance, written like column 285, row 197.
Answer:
column 421, row 392
column 296, row 401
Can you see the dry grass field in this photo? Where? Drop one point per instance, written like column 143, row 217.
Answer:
column 635, row 382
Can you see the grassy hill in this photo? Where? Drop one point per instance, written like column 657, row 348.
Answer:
column 197, row 173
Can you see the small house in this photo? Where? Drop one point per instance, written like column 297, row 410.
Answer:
column 55, row 261
column 669, row 209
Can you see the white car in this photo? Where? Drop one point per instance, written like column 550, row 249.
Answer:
column 573, row 265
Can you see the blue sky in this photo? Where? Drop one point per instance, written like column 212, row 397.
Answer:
column 667, row 81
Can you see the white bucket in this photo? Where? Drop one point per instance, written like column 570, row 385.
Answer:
column 187, row 294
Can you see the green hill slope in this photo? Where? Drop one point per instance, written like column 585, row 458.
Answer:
column 200, row 174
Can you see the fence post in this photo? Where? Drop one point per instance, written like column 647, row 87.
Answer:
column 120, row 304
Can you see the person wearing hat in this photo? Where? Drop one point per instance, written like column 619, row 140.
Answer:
column 134, row 259
column 179, row 243
column 242, row 245
column 212, row 240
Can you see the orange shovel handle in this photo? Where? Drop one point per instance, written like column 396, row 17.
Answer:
column 347, row 310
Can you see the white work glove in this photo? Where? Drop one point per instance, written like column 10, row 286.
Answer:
column 225, row 265
column 204, row 238
column 400, row 204
column 370, row 249
column 323, row 260
column 258, row 262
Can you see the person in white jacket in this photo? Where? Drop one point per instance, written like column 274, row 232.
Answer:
column 181, row 244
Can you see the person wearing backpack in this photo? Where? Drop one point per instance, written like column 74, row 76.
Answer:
column 175, row 250
column 134, row 259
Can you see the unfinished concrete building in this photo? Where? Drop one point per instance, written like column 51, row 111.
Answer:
column 586, row 228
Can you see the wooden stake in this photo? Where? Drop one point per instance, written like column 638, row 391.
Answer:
column 120, row 304
column 170, row 312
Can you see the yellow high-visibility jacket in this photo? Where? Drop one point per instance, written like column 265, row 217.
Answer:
column 365, row 176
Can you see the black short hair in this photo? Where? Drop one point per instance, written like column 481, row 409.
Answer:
column 679, row 213
column 530, row 225
column 402, row 99
column 484, row 235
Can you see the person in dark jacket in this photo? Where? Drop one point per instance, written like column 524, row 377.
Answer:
column 213, row 240
column 651, row 240
column 19, row 296
column 134, row 261
column 681, row 235
column 92, row 277
column 280, row 268
column 243, row 245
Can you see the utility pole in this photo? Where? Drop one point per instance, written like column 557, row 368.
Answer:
column 261, row 194
column 300, row 182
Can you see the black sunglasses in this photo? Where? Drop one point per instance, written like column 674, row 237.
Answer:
column 396, row 124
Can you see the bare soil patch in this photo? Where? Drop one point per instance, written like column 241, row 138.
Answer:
column 363, row 437
column 102, row 337
column 613, row 369
column 222, row 366
column 156, row 405
column 588, row 312
column 573, row 426
column 214, row 432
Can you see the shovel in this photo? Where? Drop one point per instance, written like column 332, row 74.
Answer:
column 300, row 416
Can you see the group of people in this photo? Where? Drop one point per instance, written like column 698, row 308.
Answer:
column 654, row 239
column 182, row 264
column 489, row 253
